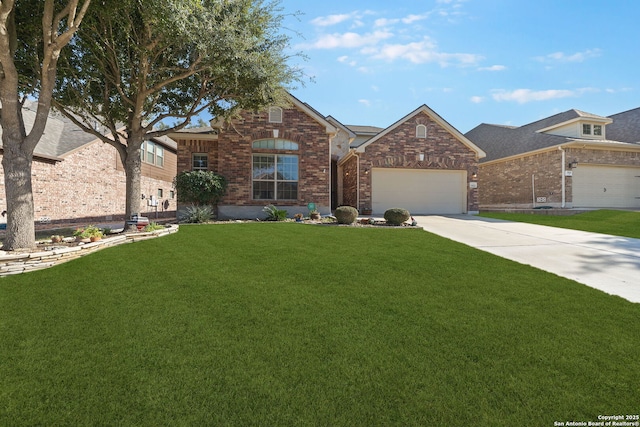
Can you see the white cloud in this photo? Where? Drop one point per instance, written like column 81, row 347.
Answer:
column 365, row 102
column 346, row 60
column 326, row 21
column 421, row 52
column 349, row 40
column 385, row 22
column 522, row 96
column 493, row 68
column 410, row 19
column 477, row 99
column 574, row 57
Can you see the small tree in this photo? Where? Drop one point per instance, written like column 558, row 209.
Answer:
column 199, row 187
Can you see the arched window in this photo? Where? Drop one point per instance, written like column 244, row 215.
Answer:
column 275, row 115
column 421, row 131
column 274, row 176
column 274, row 144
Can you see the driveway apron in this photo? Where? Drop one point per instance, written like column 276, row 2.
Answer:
column 604, row 262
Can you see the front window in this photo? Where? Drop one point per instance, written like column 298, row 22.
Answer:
column 275, row 177
column 586, row 129
column 199, row 162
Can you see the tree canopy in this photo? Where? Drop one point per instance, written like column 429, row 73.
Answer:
column 135, row 63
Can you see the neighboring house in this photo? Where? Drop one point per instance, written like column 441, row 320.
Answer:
column 78, row 178
column 570, row 160
column 293, row 156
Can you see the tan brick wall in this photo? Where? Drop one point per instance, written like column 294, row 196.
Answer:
column 509, row 183
column 87, row 185
column 401, row 149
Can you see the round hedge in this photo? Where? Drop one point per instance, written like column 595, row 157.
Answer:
column 396, row 216
column 346, row 214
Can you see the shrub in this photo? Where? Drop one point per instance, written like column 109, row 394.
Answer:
column 274, row 214
column 199, row 187
column 152, row 226
column 346, row 214
column 197, row 214
column 396, row 216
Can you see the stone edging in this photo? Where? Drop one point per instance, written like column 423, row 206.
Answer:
column 16, row 263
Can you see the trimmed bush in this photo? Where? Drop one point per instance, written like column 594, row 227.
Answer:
column 396, row 216
column 346, row 214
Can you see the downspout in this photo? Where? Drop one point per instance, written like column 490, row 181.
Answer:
column 357, row 180
column 563, row 173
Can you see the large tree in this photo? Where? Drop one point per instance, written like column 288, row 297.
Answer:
column 138, row 63
column 32, row 35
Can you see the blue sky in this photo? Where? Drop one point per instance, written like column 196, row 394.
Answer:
column 472, row 61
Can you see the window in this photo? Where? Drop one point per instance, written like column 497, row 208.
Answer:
column 586, row 129
column 200, row 162
column 152, row 153
column 597, row 130
column 172, row 194
column 275, row 177
column 421, row 131
column 275, row 115
column 159, row 193
column 275, row 144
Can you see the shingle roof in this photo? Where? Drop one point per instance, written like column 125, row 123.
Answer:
column 61, row 136
column 363, row 134
column 504, row 141
column 625, row 126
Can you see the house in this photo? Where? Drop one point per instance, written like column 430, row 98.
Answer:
column 572, row 159
column 78, row 178
column 291, row 157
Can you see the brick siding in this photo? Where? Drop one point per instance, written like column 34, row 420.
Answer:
column 509, row 183
column 231, row 156
column 88, row 186
column 401, row 149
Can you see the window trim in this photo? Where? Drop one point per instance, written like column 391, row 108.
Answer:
column 419, row 128
column 275, row 179
column 145, row 153
column 199, row 168
column 586, row 127
column 275, row 115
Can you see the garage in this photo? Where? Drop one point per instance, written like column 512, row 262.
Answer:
column 420, row 191
column 606, row 187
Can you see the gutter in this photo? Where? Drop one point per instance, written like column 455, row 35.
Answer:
column 563, row 178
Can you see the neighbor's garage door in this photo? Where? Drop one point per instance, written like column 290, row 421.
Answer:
column 419, row 191
column 606, row 187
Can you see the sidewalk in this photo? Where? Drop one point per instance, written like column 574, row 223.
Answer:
column 608, row 263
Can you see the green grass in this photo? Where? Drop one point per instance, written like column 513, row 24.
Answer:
column 289, row 324
column 617, row 223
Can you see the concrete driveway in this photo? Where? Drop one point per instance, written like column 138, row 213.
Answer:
column 608, row 263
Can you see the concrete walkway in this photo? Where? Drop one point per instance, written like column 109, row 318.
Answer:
column 608, row 263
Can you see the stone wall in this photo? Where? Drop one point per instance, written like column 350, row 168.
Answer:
column 23, row 262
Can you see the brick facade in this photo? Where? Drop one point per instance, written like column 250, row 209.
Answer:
column 400, row 148
column 89, row 186
column 231, row 155
column 508, row 183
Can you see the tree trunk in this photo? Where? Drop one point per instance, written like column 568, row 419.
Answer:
column 133, row 171
column 20, row 209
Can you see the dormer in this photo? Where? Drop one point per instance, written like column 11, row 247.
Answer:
column 581, row 126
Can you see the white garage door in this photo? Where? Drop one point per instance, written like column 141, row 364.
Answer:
column 606, row 187
column 419, row 191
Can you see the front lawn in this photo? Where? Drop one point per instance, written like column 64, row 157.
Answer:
column 617, row 223
column 288, row 324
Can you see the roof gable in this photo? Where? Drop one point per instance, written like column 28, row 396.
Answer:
column 435, row 117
